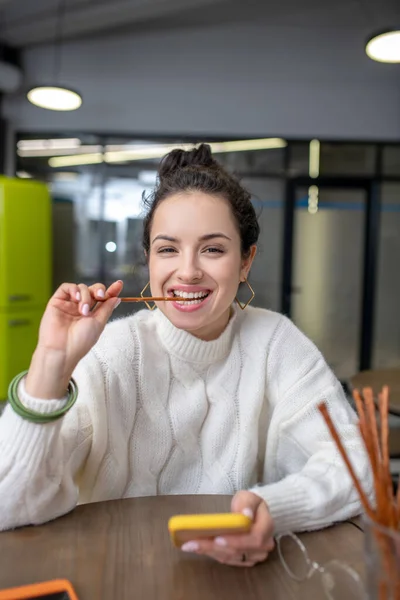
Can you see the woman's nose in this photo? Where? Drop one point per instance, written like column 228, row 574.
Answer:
column 189, row 270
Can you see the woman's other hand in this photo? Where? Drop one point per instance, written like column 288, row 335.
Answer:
column 245, row 549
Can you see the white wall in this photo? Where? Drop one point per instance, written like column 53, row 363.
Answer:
column 244, row 80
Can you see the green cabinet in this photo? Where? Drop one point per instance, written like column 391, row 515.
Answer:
column 25, row 244
column 25, row 272
column 18, row 338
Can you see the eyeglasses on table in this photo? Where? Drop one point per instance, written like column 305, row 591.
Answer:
column 339, row 581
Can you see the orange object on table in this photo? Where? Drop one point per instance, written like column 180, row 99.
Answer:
column 58, row 589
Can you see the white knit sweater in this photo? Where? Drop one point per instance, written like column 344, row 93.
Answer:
column 162, row 412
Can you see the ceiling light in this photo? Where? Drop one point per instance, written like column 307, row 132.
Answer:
column 248, row 145
column 384, row 46
column 143, row 152
column 76, row 159
column 54, row 98
column 314, row 155
column 58, row 151
column 54, row 144
column 158, row 151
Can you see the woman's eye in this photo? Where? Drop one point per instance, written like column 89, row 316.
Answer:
column 214, row 250
column 166, row 250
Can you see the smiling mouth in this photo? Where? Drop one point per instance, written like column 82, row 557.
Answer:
column 191, row 298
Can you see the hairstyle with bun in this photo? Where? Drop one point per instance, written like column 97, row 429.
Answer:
column 196, row 170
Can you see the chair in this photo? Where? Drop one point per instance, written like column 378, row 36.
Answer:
column 376, row 379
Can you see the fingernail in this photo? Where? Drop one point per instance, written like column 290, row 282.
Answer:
column 85, row 310
column 118, row 302
column 78, row 296
column 248, row 513
column 100, row 293
column 220, row 541
column 190, row 547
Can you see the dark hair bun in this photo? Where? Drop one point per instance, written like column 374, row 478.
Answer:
column 179, row 159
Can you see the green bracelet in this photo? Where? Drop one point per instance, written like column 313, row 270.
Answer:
column 33, row 416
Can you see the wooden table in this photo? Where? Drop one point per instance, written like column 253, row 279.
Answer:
column 120, row 550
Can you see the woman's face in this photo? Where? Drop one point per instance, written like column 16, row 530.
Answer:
column 195, row 249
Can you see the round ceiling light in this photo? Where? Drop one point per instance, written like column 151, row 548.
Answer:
column 54, row 98
column 385, row 46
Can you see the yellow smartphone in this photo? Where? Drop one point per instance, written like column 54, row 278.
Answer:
column 184, row 528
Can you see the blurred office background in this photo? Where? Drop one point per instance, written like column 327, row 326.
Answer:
column 317, row 126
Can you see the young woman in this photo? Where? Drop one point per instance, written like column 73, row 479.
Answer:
column 197, row 397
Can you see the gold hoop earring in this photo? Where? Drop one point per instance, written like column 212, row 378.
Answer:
column 243, row 306
column 146, row 303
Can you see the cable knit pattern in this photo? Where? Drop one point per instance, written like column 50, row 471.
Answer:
column 162, row 412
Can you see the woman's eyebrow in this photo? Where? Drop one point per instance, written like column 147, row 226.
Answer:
column 167, row 238
column 203, row 238
column 210, row 236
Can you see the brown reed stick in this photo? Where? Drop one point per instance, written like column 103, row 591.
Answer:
column 360, row 409
column 386, row 476
column 155, row 299
column 363, row 497
column 398, row 501
column 365, row 417
column 373, row 448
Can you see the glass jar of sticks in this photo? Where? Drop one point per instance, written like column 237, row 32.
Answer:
column 382, row 557
column 381, row 521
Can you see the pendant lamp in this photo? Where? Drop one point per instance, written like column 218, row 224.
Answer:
column 385, row 46
column 56, row 96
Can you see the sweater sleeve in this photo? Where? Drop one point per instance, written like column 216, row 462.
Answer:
column 307, row 483
column 40, row 463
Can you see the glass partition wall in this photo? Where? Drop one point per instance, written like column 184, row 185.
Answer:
column 329, row 216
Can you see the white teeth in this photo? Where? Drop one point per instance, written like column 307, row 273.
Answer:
column 190, row 302
column 194, row 295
